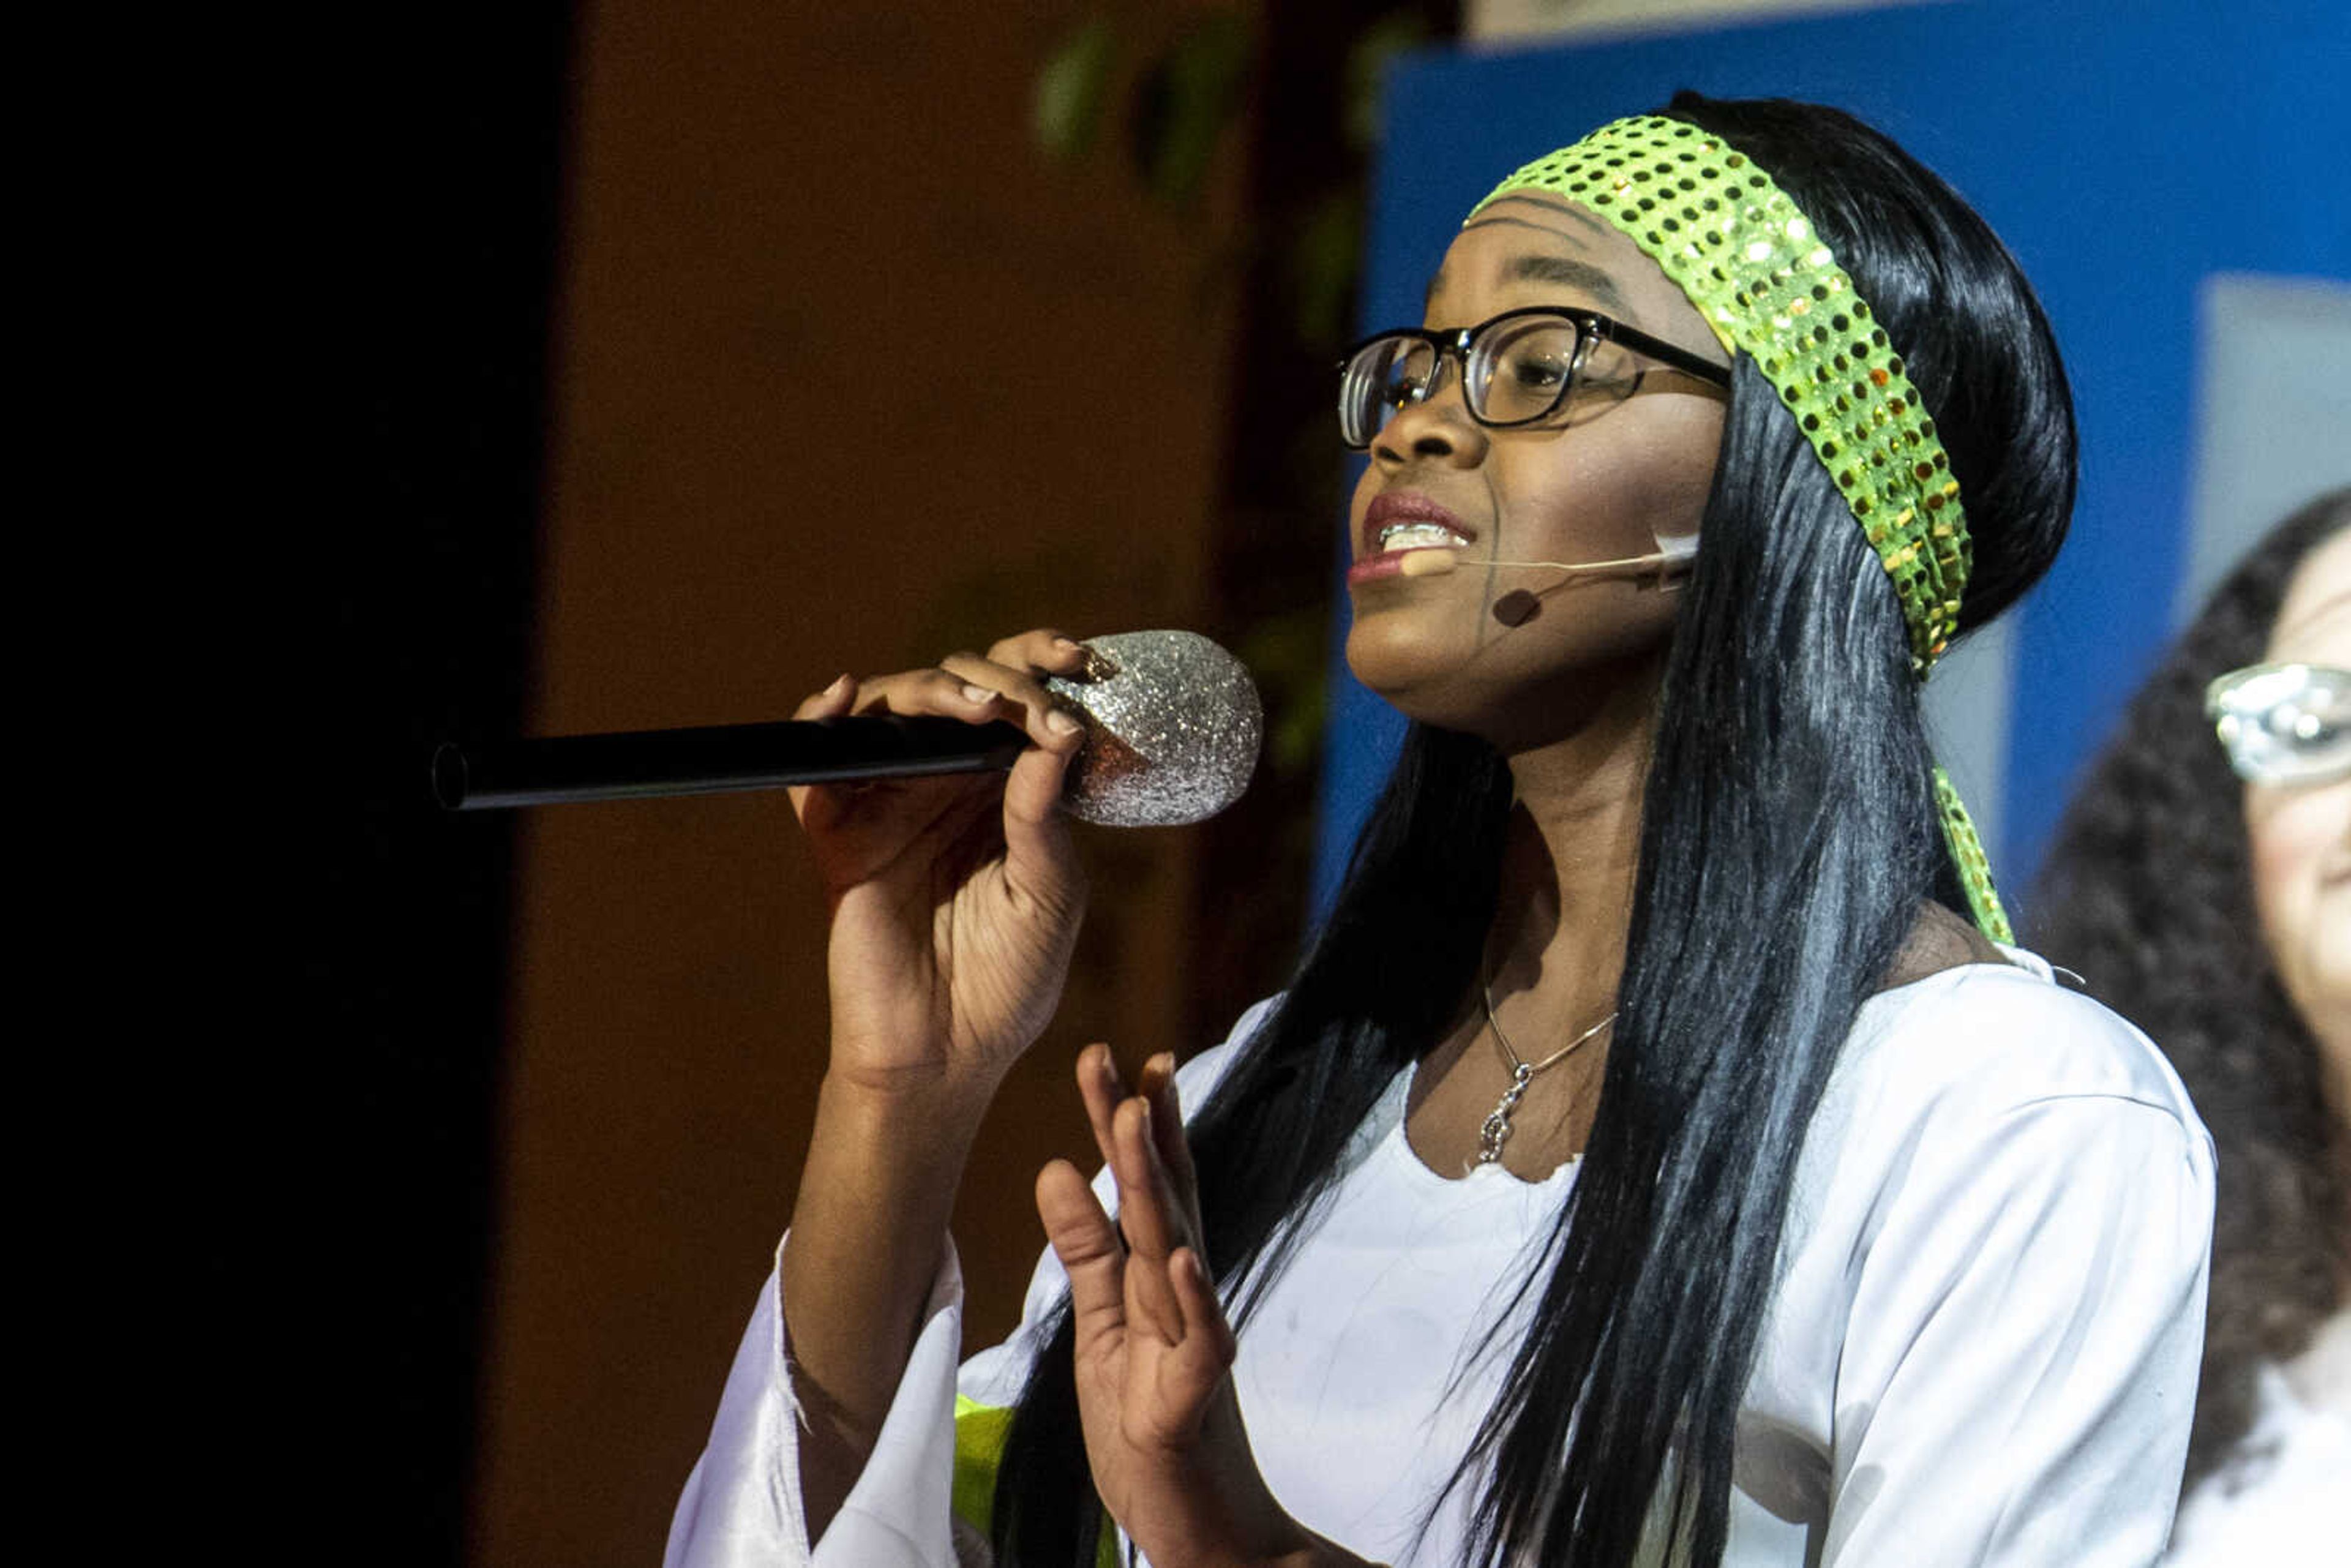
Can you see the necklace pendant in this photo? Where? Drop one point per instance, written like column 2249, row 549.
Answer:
column 1493, row 1135
column 1496, row 1130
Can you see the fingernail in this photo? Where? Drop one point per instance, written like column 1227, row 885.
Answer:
column 972, row 694
column 840, row 684
column 1061, row 724
column 1066, row 645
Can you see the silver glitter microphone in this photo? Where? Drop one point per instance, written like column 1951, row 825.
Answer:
column 1174, row 724
column 1172, row 721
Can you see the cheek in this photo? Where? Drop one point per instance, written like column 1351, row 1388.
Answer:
column 1659, row 484
column 2297, row 840
column 1614, row 504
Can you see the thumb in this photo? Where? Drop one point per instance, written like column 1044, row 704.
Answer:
column 1041, row 857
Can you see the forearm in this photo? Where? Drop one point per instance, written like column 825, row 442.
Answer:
column 869, row 1230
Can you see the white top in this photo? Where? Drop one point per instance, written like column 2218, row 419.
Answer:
column 2285, row 1496
column 1982, row 1348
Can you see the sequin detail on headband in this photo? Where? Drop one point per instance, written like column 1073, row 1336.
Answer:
column 1732, row 241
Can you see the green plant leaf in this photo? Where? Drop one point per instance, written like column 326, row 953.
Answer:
column 1071, row 86
column 1289, row 654
column 1325, row 254
column 1366, row 70
column 1186, row 100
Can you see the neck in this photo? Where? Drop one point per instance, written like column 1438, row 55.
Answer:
column 1570, row 862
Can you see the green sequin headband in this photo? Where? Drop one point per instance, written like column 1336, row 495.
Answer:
column 1748, row 258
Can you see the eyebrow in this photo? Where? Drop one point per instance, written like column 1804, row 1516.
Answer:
column 1568, row 271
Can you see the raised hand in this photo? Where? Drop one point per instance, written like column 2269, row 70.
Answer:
column 954, row 900
column 1154, row 1352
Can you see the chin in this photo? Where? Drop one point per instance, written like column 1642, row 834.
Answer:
column 1405, row 649
column 1387, row 645
column 1392, row 679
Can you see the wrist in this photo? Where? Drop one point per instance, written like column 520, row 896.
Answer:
column 912, row 1136
column 918, row 1094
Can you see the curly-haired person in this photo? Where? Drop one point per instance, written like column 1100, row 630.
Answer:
column 2224, row 931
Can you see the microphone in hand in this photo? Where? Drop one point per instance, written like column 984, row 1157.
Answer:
column 1172, row 726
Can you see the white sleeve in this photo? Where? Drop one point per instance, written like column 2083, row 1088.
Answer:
column 742, row 1507
column 2020, row 1363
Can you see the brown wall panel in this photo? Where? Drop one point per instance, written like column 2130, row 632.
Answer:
column 847, row 375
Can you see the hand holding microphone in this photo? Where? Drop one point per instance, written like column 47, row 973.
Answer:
column 955, row 905
column 955, row 897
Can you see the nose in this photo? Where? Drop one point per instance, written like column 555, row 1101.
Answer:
column 1436, row 428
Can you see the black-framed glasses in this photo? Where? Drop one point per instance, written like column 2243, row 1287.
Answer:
column 1517, row 367
column 2283, row 724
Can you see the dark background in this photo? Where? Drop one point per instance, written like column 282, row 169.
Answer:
column 417, row 235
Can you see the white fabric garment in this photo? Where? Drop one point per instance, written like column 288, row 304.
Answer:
column 1982, row 1347
column 2285, row 1496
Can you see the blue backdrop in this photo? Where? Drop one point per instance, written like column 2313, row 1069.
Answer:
column 2127, row 155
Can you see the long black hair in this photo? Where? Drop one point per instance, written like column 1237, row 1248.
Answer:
column 2149, row 892
column 1789, row 839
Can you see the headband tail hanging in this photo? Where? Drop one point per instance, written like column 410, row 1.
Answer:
column 1968, row 856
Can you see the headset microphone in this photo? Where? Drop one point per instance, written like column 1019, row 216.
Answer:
column 1657, row 570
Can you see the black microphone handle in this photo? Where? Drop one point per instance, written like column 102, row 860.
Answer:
column 717, row 758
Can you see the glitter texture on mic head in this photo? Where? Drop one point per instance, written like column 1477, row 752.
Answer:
column 1175, row 731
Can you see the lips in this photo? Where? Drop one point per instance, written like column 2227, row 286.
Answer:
column 1397, row 525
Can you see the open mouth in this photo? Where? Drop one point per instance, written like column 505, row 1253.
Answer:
column 1408, row 521
column 1418, row 534
column 1397, row 526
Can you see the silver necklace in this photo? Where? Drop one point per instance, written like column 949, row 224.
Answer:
column 1496, row 1132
